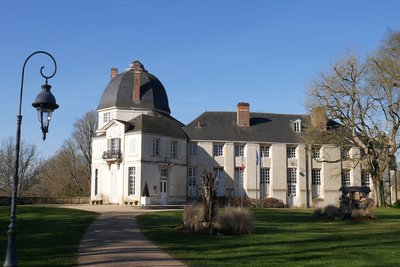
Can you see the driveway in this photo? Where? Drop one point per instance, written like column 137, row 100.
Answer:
column 114, row 239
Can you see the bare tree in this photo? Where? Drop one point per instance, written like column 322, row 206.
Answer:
column 364, row 97
column 68, row 172
column 84, row 129
column 31, row 167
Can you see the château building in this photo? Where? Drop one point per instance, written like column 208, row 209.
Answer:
column 138, row 143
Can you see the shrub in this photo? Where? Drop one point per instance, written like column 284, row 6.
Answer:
column 397, row 204
column 318, row 213
column 247, row 202
column 361, row 214
column 270, row 202
column 193, row 219
column 235, row 221
column 332, row 212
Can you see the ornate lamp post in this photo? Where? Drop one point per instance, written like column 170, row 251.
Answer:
column 45, row 104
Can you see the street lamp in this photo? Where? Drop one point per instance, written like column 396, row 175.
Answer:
column 45, row 104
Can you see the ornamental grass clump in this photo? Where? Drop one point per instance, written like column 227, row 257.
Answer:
column 193, row 219
column 235, row 221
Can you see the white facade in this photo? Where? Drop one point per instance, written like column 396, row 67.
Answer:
column 120, row 179
column 277, row 174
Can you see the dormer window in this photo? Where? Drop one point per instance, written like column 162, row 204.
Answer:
column 297, row 126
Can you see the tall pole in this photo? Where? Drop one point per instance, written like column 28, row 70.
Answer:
column 11, row 254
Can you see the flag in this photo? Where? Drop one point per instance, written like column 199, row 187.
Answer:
column 257, row 157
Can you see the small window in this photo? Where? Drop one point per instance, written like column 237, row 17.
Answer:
column 174, row 149
column 192, row 149
column 164, row 173
column 297, row 126
column 218, row 150
column 345, row 177
column 291, row 152
column 239, row 150
column 345, row 152
column 316, row 152
column 106, row 117
column 156, row 146
column 365, row 178
column 265, row 151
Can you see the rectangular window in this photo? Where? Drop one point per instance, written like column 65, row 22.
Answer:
column 218, row 150
column 192, row 149
column 115, row 146
column 174, row 149
column 96, row 181
column 316, row 152
column 220, row 177
column 297, row 126
column 106, row 117
column 239, row 150
column 365, row 178
column 156, row 146
column 192, row 185
column 291, row 181
column 316, row 182
column 345, row 152
column 265, row 151
column 238, row 177
column 164, row 173
column 131, row 181
column 291, row 152
column 345, row 177
column 265, row 182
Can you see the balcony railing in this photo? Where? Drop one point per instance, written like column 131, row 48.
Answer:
column 112, row 156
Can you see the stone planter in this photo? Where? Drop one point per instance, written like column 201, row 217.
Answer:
column 145, row 201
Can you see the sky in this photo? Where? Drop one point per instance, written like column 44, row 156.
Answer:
column 209, row 54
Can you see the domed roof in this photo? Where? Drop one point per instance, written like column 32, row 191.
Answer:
column 119, row 93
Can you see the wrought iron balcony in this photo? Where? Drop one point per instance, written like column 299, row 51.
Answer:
column 112, row 156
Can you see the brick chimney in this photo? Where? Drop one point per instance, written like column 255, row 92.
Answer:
column 243, row 114
column 137, row 70
column 318, row 118
column 114, row 72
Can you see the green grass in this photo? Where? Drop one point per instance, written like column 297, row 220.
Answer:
column 284, row 237
column 46, row 236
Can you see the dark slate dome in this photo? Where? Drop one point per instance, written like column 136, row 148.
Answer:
column 120, row 91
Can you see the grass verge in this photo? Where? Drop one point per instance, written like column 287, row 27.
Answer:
column 283, row 237
column 46, row 236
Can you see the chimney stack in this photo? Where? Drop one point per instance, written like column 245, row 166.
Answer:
column 243, row 114
column 137, row 70
column 318, row 118
column 114, row 72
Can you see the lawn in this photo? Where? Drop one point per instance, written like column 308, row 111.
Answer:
column 46, row 236
column 284, row 237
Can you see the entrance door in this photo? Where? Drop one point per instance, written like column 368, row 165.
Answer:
column 164, row 192
column 113, row 184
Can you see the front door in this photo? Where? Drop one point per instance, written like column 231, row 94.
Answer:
column 164, row 192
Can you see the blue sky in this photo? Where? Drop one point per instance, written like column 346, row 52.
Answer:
column 209, row 55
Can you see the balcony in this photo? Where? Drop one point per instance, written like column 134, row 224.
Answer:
column 112, row 157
